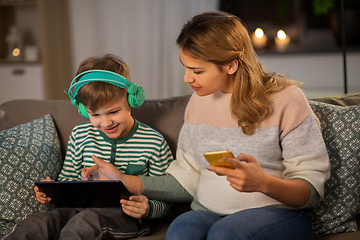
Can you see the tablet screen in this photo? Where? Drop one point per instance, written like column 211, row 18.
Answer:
column 84, row 193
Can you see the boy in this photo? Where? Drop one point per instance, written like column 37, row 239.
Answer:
column 105, row 96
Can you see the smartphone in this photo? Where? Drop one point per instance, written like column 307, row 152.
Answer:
column 214, row 157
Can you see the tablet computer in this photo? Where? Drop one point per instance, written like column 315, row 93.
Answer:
column 84, row 193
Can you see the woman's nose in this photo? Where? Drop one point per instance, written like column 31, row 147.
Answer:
column 188, row 77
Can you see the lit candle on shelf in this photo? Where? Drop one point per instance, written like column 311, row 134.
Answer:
column 14, row 43
column 282, row 41
column 259, row 38
column 16, row 52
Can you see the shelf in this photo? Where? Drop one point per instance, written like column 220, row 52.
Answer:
column 5, row 61
column 312, row 41
column 45, row 24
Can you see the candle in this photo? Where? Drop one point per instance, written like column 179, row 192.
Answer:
column 259, row 38
column 16, row 52
column 14, row 42
column 282, row 41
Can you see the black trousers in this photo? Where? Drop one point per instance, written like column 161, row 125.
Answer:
column 79, row 223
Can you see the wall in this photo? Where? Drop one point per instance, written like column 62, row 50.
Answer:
column 130, row 29
column 142, row 32
column 322, row 73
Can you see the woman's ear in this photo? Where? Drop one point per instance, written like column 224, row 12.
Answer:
column 233, row 66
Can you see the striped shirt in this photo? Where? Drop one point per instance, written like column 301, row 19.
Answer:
column 143, row 151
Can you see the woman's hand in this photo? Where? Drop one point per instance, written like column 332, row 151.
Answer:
column 40, row 196
column 106, row 171
column 136, row 206
column 248, row 176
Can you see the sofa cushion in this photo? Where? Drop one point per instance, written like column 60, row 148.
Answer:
column 341, row 131
column 28, row 153
column 21, row 111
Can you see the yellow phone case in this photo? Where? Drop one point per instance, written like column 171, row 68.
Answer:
column 214, row 157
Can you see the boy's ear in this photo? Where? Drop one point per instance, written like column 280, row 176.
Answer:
column 233, row 66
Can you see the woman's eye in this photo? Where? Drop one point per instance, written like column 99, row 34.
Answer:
column 198, row 72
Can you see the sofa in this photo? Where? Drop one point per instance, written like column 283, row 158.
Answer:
column 34, row 135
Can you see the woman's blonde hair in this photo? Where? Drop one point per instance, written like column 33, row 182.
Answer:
column 221, row 38
column 95, row 94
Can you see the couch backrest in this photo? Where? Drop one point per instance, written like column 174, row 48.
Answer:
column 164, row 115
column 341, row 100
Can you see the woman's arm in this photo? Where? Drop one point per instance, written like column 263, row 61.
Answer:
column 163, row 188
column 248, row 176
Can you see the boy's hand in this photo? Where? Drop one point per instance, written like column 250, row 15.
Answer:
column 93, row 173
column 136, row 206
column 101, row 171
column 106, row 171
column 40, row 196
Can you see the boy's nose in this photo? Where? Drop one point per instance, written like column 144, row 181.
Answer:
column 106, row 122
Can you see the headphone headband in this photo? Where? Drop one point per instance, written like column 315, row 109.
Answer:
column 96, row 76
column 136, row 94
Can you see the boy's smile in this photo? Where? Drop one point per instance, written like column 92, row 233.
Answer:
column 111, row 129
column 113, row 118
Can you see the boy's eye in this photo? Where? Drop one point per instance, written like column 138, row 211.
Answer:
column 113, row 112
column 94, row 114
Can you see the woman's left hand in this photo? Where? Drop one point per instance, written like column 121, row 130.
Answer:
column 136, row 207
column 247, row 176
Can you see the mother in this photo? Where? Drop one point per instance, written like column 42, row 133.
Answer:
column 263, row 118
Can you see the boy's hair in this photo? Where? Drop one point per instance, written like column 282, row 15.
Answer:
column 95, row 94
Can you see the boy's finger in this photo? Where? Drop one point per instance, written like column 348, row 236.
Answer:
column 98, row 161
column 135, row 198
column 48, row 179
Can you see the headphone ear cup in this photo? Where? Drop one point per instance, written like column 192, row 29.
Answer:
column 74, row 101
column 82, row 110
column 136, row 95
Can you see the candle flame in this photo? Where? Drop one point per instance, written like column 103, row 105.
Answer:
column 16, row 52
column 259, row 33
column 281, row 34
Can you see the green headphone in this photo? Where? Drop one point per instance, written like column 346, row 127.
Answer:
column 136, row 94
